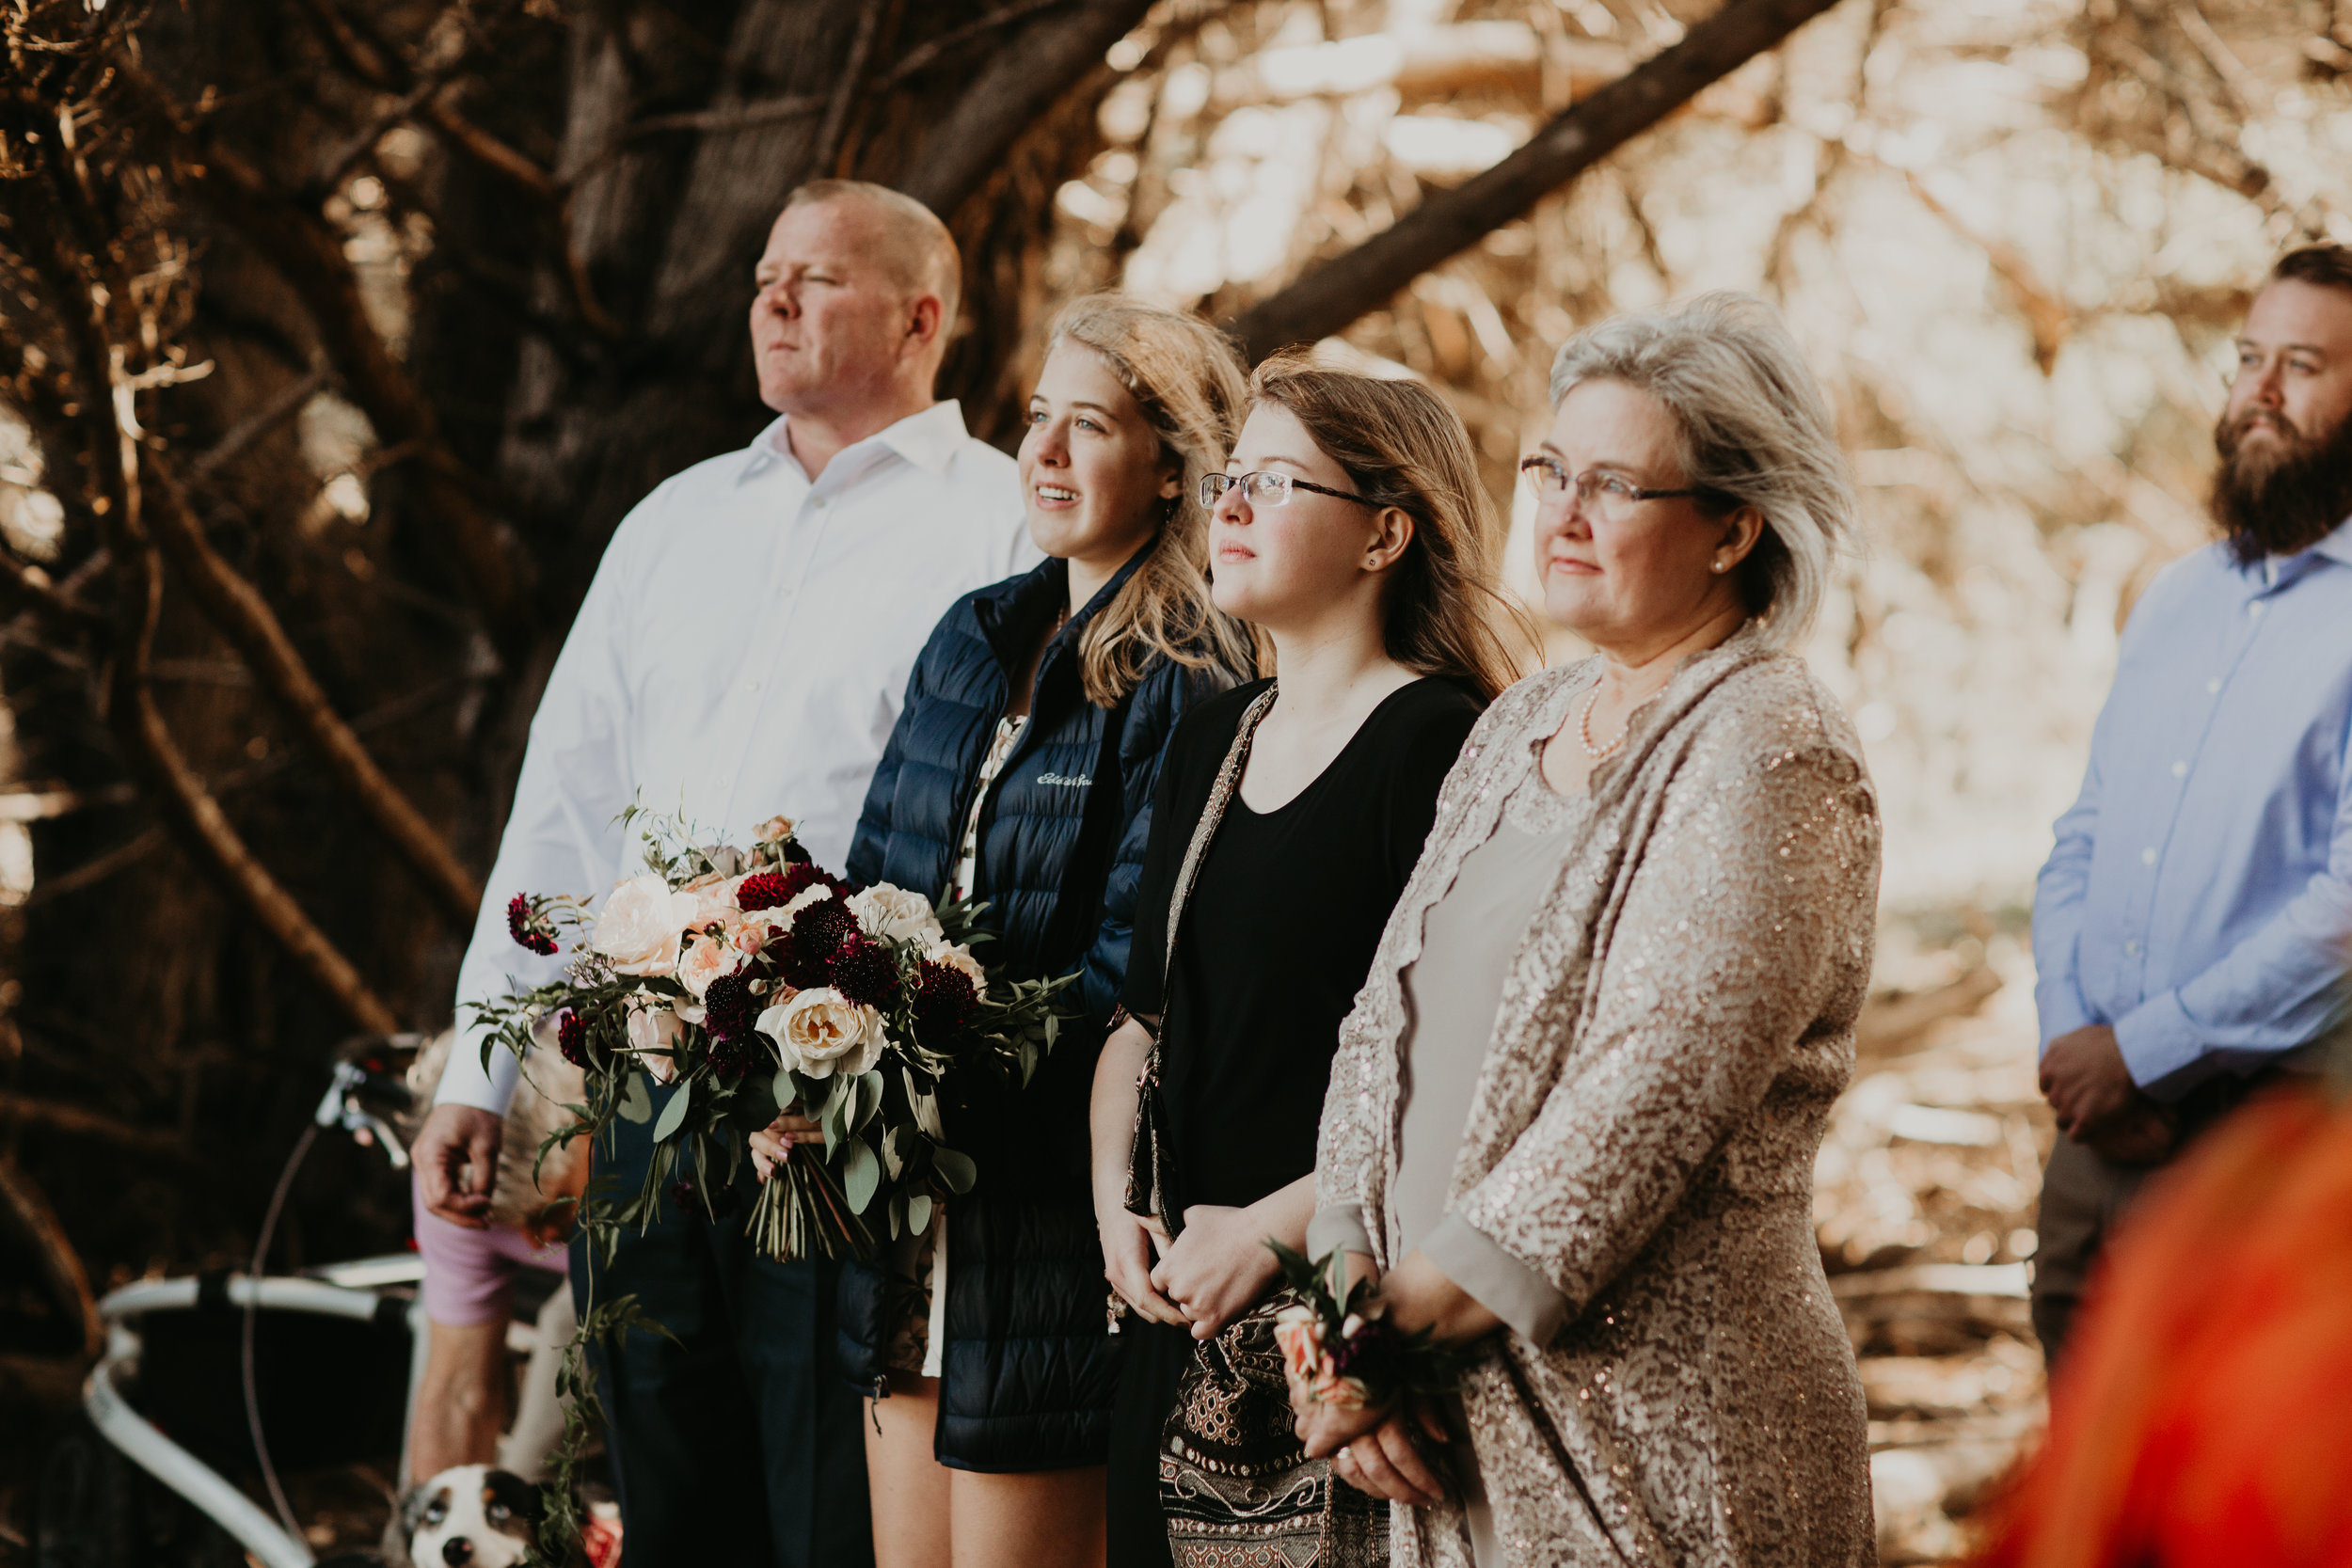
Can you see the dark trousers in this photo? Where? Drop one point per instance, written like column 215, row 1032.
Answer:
column 735, row 1442
column 1151, row 1364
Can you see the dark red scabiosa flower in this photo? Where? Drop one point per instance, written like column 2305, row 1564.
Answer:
column 528, row 927
column 945, row 1003
column 571, row 1037
column 734, row 1059
column 683, row 1193
column 865, row 972
column 729, row 1006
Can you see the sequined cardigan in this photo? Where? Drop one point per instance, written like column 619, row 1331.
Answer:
column 1672, row 1032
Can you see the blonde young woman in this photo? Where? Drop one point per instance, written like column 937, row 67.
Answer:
column 1351, row 533
column 1575, row 1112
column 1021, row 775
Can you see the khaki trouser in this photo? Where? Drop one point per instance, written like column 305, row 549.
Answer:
column 2085, row 1193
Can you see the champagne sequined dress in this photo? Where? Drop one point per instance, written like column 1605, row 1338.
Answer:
column 1673, row 1024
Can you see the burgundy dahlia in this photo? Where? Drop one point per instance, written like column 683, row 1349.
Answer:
column 528, row 927
column 800, row 876
column 763, row 890
column 729, row 1006
column 865, row 972
column 945, row 1003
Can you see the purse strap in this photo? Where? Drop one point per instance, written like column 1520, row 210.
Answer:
column 1212, row 813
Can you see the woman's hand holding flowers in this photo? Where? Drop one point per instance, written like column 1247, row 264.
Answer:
column 772, row 1143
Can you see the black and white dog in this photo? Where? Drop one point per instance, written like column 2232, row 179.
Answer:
column 472, row 1516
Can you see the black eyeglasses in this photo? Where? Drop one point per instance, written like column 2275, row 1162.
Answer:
column 1598, row 490
column 1267, row 488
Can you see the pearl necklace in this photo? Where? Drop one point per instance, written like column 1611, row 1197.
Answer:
column 1584, row 723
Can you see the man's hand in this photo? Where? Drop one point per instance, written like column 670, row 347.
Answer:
column 456, row 1155
column 1216, row 1267
column 2086, row 1081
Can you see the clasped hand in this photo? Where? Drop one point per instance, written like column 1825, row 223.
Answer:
column 2085, row 1079
column 1204, row 1278
column 1372, row 1448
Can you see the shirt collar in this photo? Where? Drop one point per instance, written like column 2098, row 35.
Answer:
column 928, row 441
column 2337, row 546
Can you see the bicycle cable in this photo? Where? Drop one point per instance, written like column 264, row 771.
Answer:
column 252, row 1314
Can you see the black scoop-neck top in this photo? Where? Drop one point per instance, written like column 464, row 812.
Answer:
column 1278, row 934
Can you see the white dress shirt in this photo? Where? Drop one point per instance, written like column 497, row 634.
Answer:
column 743, row 651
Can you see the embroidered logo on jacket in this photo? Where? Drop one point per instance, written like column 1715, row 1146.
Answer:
column 1065, row 781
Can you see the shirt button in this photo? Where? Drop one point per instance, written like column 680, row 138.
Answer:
column 2147, row 857
column 2180, row 769
column 2132, row 949
column 754, row 686
column 2254, row 610
column 727, row 779
column 2213, row 685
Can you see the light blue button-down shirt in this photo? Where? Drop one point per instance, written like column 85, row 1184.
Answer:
column 2199, row 897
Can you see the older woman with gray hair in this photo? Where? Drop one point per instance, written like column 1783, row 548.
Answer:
column 1572, row 1122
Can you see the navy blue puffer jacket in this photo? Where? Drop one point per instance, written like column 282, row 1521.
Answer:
column 1027, row 1374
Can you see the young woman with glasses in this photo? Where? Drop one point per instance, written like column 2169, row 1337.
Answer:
column 1351, row 532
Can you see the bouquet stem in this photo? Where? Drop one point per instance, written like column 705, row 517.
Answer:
column 801, row 1213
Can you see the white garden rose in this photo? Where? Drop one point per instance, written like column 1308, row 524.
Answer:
column 706, row 959
column 653, row 1033
column 638, row 928
column 819, row 1032
column 885, row 911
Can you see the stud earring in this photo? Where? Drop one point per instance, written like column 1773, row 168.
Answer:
column 1722, row 565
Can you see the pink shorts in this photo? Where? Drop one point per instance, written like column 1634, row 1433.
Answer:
column 469, row 1274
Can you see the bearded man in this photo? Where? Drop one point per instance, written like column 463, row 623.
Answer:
column 742, row 651
column 2192, row 926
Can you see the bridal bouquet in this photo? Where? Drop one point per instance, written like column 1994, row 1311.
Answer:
column 754, row 983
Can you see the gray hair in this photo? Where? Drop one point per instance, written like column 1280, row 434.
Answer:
column 915, row 245
column 1755, row 431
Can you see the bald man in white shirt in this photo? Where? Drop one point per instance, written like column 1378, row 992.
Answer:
column 743, row 652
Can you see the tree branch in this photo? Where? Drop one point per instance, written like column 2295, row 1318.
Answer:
column 1018, row 86
column 112, row 455
column 1360, row 280
column 308, row 255
column 68, row 1281
column 245, row 617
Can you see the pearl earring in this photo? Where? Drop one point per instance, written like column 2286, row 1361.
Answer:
column 1719, row 565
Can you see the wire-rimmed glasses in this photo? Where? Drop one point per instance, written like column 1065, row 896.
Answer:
column 1265, row 487
column 1599, row 492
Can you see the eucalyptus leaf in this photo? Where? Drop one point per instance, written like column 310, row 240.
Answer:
column 785, row 1089
column 918, row 1212
column 869, row 1098
column 956, row 1170
column 636, row 1102
column 674, row 1113
column 860, row 1176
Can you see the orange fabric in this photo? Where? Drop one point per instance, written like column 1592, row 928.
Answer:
column 2204, row 1417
